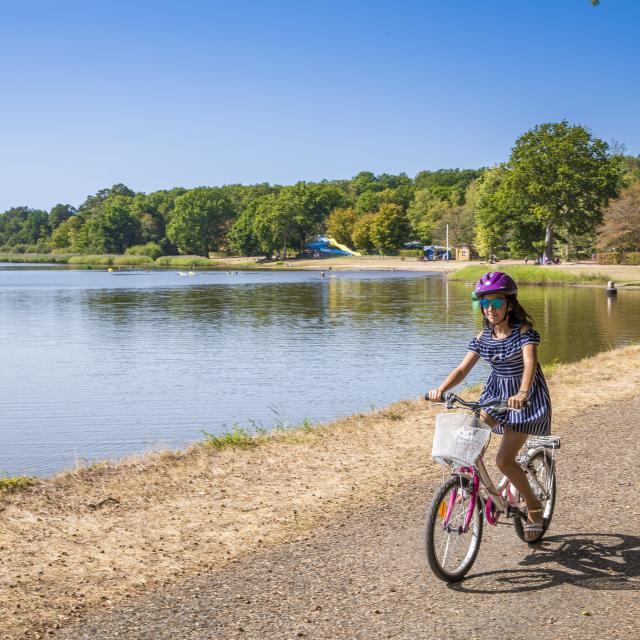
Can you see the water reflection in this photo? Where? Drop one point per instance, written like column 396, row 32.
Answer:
column 97, row 367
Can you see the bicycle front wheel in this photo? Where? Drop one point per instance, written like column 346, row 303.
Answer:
column 541, row 473
column 452, row 550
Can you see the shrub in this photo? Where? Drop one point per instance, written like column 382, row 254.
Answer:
column 152, row 249
column 237, row 437
column 43, row 247
column 610, row 257
column 412, row 253
column 184, row 261
column 132, row 261
column 9, row 485
column 100, row 259
column 633, row 257
column 34, row 257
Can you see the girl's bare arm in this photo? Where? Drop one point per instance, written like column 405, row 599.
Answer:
column 530, row 357
column 456, row 376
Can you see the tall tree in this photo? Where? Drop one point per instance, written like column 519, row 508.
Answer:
column 199, row 220
column 94, row 202
column 275, row 222
column 59, row 214
column 365, row 181
column 340, row 224
column 113, row 228
column 621, row 226
column 491, row 221
column 242, row 236
column 362, row 236
column 367, row 202
column 561, row 177
column 309, row 204
column 390, row 228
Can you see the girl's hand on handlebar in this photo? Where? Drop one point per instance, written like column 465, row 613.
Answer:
column 435, row 395
column 518, row 401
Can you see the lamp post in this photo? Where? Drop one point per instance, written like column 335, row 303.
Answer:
column 447, row 237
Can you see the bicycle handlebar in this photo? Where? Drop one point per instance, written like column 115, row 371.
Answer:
column 451, row 399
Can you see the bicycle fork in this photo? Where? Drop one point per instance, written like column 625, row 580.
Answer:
column 473, row 496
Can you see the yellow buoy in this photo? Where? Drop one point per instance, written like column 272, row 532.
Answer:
column 109, row 269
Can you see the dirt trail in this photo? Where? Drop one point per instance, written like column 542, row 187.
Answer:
column 365, row 576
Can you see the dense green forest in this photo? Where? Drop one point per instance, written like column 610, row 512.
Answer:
column 561, row 190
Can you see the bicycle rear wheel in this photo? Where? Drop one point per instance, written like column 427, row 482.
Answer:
column 541, row 473
column 451, row 551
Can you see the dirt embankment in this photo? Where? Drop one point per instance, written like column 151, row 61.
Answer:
column 87, row 539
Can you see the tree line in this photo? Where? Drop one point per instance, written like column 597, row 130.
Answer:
column 561, row 188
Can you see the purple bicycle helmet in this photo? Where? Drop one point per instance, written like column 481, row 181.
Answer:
column 495, row 282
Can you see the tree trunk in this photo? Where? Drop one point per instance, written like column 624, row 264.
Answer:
column 548, row 241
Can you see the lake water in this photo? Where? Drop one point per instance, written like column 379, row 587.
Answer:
column 98, row 365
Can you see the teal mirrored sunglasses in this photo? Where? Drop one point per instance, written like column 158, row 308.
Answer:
column 498, row 303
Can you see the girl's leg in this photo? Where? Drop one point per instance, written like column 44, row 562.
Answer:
column 511, row 443
column 487, row 419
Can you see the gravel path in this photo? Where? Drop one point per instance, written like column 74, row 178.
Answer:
column 365, row 576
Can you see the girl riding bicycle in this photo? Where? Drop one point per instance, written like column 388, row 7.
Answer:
column 509, row 343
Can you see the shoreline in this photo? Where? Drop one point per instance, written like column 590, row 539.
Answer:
column 88, row 538
column 618, row 273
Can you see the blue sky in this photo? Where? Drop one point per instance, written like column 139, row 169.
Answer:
column 162, row 94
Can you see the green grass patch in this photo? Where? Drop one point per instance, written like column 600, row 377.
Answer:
column 40, row 258
column 282, row 427
column 102, row 260
column 184, row 261
column 133, row 261
column 111, row 260
column 525, row 274
column 242, row 438
column 238, row 437
column 550, row 367
column 16, row 483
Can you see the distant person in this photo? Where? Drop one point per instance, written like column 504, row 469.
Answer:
column 526, row 260
column 509, row 344
column 322, row 274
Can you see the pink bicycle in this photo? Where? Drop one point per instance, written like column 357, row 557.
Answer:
column 469, row 496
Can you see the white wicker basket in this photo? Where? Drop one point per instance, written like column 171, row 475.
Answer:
column 459, row 439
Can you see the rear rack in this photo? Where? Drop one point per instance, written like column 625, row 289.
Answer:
column 548, row 442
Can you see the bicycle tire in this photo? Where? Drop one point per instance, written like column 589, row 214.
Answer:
column 434, row 529
column 541, row 460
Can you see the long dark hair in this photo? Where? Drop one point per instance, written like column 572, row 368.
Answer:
column 517, row 314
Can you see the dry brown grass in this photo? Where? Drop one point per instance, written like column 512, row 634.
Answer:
column 88, row 538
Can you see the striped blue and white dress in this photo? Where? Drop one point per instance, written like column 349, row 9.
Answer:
column 507, row 365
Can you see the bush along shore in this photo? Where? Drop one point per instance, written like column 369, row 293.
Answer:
column 98, row 535
column 119, row 260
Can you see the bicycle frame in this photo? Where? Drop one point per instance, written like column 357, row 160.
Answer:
column 480, row 476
